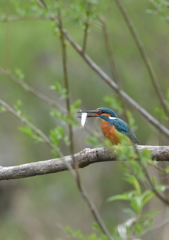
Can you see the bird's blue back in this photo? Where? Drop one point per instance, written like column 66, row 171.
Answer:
column 121, row 127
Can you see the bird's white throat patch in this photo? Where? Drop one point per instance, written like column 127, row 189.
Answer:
column 112, row 118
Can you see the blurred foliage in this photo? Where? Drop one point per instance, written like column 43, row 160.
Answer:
column 30, row 49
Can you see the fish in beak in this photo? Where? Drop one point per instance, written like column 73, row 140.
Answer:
column 85, row 114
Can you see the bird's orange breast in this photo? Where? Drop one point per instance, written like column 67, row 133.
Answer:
column 110, row 132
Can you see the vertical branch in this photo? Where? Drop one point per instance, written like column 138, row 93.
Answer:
column 77, row 176
column 112, row 63
column 7, row 39
column 88, row 10
column 143, row 54
column 66, row 82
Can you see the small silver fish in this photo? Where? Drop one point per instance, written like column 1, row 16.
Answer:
column 83, row 119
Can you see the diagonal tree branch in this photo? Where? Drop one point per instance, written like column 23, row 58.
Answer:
column 84, row 158
column 115, row 87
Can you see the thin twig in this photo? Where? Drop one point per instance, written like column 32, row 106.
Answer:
column 88, row 10
column 113, row 67
column 143, row 54
column 66, row 82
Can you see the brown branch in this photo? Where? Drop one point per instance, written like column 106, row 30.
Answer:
column 66, row 83
column 143, row 54
column 73, row 159
column 84, row 158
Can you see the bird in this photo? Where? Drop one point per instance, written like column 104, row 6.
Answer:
column 112, row 127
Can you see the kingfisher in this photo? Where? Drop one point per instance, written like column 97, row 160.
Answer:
column 112, row 126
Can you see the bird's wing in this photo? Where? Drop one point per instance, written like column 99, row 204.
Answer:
column 123, row 128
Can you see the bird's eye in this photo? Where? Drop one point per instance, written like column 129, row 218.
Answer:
column 99, row 111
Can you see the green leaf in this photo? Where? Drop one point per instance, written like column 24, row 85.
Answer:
column 130, row 212
column 161, row 188
column 149, row 214
column 56, row 135
column 131, row 179
column 19, row 74
column 75, row 106
column 29, row 132
column 58, row 88
column 146, row 196
column 136, row 203
column 125, row 196
column 18, row 107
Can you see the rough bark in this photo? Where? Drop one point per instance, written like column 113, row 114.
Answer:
column 84, row 158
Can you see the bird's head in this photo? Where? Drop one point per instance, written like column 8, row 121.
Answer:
column 101, row 112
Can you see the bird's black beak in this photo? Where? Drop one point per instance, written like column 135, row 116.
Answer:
column 90, row 113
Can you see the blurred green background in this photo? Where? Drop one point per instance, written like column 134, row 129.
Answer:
column 40, row 207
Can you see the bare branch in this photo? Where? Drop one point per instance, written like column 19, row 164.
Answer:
column 84, row 158
column 143, row 54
